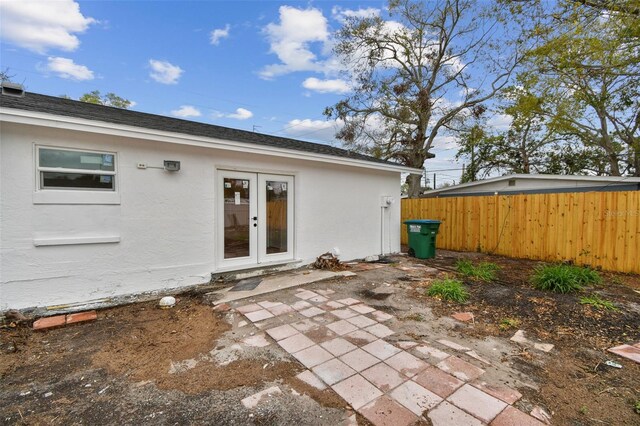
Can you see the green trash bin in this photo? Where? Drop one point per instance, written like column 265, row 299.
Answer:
column 422, row 237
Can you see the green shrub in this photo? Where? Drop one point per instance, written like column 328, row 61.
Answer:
column 598, row 303
column 563, row 278
column 484, row 271
column 448, row 289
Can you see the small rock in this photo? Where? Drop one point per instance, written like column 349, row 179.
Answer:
column 373, row 258
column 253, row 400
column 463, row 316
column 222, row 308
column 519, row 337
column 48, row 394
column 15, row 315
column 167, row 302
column 545, row 347
column 383, row 291
column 541, row 414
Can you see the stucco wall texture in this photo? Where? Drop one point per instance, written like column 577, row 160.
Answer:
column 165, row 222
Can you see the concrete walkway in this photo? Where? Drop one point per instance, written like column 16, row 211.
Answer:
column 342, row 344
column 278, row 282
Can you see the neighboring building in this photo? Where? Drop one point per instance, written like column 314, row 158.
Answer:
column 99, row 201
column 538, row 184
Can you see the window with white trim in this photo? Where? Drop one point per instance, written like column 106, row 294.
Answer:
column 72, row 169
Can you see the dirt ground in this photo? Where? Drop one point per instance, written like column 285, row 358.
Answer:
column 141, row 365
column 575, row 385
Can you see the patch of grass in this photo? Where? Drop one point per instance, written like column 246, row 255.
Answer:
column 563, row 278
column 598, row 303
column 484, row 271
column 584, row 410
column 414, row 317
column 636, row 407
column 507, row 323
column 448, row 289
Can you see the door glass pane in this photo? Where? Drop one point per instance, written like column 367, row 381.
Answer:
column 276, row 217
column 236, row 218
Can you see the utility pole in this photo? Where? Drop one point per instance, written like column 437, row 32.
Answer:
column 434, row 181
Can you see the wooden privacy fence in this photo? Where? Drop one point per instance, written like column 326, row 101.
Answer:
column 599, row 229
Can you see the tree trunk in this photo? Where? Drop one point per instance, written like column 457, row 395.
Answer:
column 608, row 145
column 413, row 185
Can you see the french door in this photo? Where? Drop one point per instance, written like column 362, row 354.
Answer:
column 255, row 212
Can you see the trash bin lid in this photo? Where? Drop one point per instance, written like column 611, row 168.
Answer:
column 421, row 222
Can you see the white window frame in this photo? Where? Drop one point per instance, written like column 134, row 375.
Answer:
column 70, row 195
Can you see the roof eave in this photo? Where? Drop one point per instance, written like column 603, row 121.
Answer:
column 20, row 116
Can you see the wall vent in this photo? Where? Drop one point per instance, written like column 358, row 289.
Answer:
column 12, row 89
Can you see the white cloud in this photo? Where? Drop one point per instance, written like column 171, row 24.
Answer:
column 164, row 72
column 219, row 33
column 66, row 68
column 326, row 86
column 240, row 114
column 341, row 15
column 322, row 130
column 43, row 25
column 500, row 121
column 186, row 111
column 291, row 40
column 445, row 143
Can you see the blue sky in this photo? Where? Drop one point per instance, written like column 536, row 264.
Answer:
column 263, row 65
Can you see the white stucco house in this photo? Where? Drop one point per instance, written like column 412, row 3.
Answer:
column 99, row 202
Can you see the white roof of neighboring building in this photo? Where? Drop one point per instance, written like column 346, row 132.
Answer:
column 536, row 182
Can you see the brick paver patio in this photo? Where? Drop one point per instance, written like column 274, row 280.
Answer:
column 342, row 344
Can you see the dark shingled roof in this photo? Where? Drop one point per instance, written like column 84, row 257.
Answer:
column 77, row 109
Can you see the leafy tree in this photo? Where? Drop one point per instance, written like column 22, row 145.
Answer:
column 415, row 76
column 584, row 65
column 110, row 99
column 529, row 145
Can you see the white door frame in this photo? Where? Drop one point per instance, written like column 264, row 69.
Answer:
column 257, row 228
